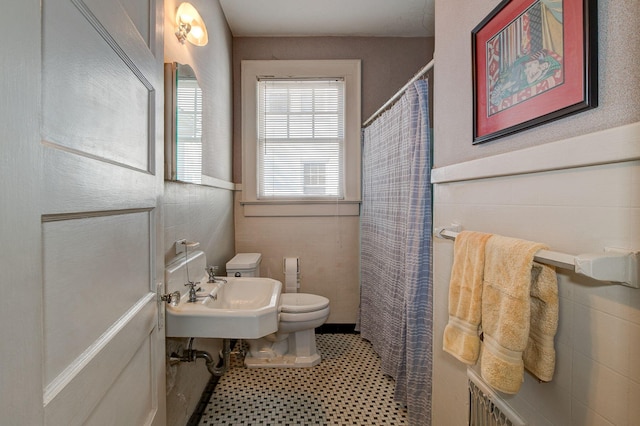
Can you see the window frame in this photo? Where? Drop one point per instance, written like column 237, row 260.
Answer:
column 347, row 69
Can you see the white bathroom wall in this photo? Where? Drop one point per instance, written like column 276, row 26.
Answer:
column 573, row 210
column 205, row 213
column 619, row 91
column 587, row 201
column 197, row 212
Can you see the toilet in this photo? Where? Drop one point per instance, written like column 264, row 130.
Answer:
column 294, row 344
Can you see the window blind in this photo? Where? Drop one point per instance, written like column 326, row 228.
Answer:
column 189, row 131
column 300, row 138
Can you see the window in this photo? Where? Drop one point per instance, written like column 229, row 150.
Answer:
column 315, row 181
column 301, row 137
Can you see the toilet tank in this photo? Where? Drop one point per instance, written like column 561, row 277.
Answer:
column 244, row 265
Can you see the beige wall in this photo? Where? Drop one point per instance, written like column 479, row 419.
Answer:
column 387, row 64
column 547, row 185
column 201, row 213
column 328, row 247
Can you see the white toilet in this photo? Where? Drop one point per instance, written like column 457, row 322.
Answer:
column 294, row 344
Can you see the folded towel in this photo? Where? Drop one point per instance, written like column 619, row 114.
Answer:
column 506, row 310
column 540, row 355
column 465, row 294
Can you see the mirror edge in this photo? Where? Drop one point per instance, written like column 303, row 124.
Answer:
column 170, row 171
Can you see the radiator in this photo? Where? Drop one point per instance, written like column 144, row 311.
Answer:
column 486, row 408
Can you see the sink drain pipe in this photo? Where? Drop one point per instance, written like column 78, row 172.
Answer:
column 190, row 355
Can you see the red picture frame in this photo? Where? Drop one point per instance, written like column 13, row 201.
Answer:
column 534, row 61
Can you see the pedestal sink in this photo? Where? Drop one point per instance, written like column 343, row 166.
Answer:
column 241, row 308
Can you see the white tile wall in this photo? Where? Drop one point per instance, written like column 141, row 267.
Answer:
column 328, row 248
column 203, row 214
column 579, row 210
column 199, row 213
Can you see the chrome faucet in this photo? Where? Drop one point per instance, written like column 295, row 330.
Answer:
column 192, row 291
column 211, row 270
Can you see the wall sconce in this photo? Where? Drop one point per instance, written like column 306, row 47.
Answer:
column 190, row 25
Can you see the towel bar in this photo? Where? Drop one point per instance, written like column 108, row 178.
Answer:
column 617, row 266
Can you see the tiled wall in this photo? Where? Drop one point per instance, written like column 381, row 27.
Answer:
column 573, row 210
column 576, row 208
column 328, row 248
column 201, row 213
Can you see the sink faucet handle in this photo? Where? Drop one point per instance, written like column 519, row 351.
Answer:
column 212, row 270
column 192, row 290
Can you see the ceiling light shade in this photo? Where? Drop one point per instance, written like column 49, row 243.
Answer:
column 190, row 25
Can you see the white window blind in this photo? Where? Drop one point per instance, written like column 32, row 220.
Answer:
column 300, row 138
column 189, row 131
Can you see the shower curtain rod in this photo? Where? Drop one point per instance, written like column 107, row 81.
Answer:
column 614, row 265
column 399, row 93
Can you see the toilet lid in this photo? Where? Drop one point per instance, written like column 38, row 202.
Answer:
column 302, row 302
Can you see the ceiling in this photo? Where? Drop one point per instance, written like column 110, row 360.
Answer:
column 296, row 18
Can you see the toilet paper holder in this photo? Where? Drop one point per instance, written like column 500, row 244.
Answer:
column 284, row 265
column 291, row 272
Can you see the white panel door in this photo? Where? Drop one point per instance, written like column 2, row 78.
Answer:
column 102, row 349
column 20, row 176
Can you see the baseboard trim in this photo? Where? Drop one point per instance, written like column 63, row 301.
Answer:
column 201, row 407
column 337, row 329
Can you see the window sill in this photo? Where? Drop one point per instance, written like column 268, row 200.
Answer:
column 301, row 208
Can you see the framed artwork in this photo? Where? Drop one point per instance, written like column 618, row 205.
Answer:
column 533, row 61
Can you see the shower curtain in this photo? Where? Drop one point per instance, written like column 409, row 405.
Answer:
column 396, row 282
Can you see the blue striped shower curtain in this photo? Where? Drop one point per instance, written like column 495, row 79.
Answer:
column 396, row 281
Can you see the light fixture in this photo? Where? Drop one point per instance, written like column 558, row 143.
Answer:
column 190, row 25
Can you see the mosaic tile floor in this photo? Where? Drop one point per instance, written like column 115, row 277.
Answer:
column 346, row 388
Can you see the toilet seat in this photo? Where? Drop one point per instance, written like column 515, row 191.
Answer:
column 297, row 303
column 300, row 317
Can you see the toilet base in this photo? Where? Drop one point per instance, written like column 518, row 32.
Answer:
column 296, row 349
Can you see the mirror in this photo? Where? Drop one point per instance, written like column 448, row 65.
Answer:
column 183, row 124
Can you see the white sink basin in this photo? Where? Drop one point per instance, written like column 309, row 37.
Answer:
column 241, row 308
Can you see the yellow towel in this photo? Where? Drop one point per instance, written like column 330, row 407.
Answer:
column 465, row 290
column 540, row 355
column 506, row 310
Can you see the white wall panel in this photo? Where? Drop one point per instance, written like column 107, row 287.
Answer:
column 100, row 111
column 130, row 393
column 94, row 270
column 98, row 226
column 77, row 183
column 20, row 167
column 75, row 394
column 138, row 11
column 575, row 210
